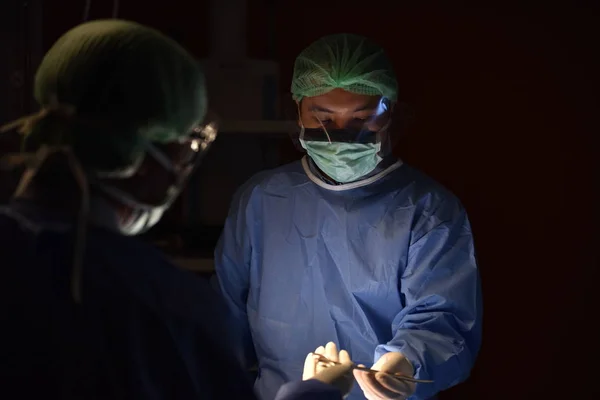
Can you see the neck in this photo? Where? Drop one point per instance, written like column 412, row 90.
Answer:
column 66, row 202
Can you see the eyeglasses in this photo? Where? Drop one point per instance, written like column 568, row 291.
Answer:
column 183, row 156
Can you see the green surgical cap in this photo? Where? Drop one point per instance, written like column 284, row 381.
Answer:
column 127, row 83
column 343, row 61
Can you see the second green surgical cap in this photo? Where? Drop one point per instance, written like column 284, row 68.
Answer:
column 344, row 61
column 128, row 82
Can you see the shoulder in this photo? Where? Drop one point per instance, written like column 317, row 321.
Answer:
column 429, row 192
column 115, row 267
column 286, row 176
column 275, row 181
column 432, row 205
column 425, row 194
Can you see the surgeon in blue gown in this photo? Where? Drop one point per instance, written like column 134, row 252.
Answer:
column 350, row 244
column 87, row 310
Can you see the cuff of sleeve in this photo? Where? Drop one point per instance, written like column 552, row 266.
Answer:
column 406, row 351
column 310, row 389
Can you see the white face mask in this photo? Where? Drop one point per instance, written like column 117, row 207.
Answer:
column 141, row 221
column 143, row 216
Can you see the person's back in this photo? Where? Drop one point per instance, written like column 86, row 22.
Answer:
column 89, row 312
column 143, row 330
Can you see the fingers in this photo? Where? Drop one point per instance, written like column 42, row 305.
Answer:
column 320, row 350
column 311, row 363
column 394, row 385
column 319, row 365
column 361, row 379
column 367, row 385
column 331, row 352
column 310, row 367
column 344, row 357
column 382, row 386
column 339, row 375
column 335, row 373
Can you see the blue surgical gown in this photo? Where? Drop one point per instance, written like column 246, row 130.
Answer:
column 384, row 265
column 144, row 330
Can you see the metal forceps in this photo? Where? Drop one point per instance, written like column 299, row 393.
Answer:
column 401, row 377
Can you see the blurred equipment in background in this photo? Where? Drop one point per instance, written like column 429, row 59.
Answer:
column 88, row 6
column 253, row 135
column 21, row 42
column 240, row 88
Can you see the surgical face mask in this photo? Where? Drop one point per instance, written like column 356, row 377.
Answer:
column 104, row 214
column 141, row 221
column 142, row 217
column 350, row 153
column 344, row 162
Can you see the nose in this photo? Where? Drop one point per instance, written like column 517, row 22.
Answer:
column 341, row 122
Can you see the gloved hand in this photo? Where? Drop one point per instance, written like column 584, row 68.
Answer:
column 382, row 386
column 338, row 375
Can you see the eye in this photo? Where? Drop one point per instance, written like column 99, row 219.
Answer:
column 323, row 121
column 364, row 117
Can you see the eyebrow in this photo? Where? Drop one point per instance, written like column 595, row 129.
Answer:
column 326, row 110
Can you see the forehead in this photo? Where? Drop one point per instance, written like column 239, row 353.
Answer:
column 340, row 101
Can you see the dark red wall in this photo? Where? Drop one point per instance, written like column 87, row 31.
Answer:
column 503, row 105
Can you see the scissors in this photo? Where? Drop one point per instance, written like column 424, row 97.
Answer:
column 401, row 377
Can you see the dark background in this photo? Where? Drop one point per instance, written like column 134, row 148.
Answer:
column 505, row 107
